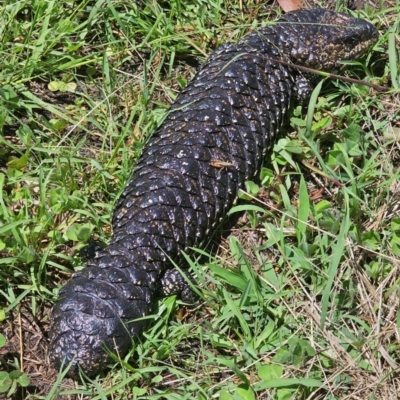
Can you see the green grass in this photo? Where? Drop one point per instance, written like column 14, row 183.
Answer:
column 301, row 295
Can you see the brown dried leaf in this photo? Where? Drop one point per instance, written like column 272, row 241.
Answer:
column 290, row 5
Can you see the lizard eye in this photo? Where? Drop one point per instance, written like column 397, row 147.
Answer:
column 350, row 40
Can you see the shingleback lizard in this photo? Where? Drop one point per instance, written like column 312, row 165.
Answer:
column 230, row 113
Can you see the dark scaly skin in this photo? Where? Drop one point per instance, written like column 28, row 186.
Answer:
column 231, row 112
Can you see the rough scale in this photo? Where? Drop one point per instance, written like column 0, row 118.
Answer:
column 230, row 114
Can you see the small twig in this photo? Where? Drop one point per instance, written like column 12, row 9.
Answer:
column 21, row 345
column 330, row 75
